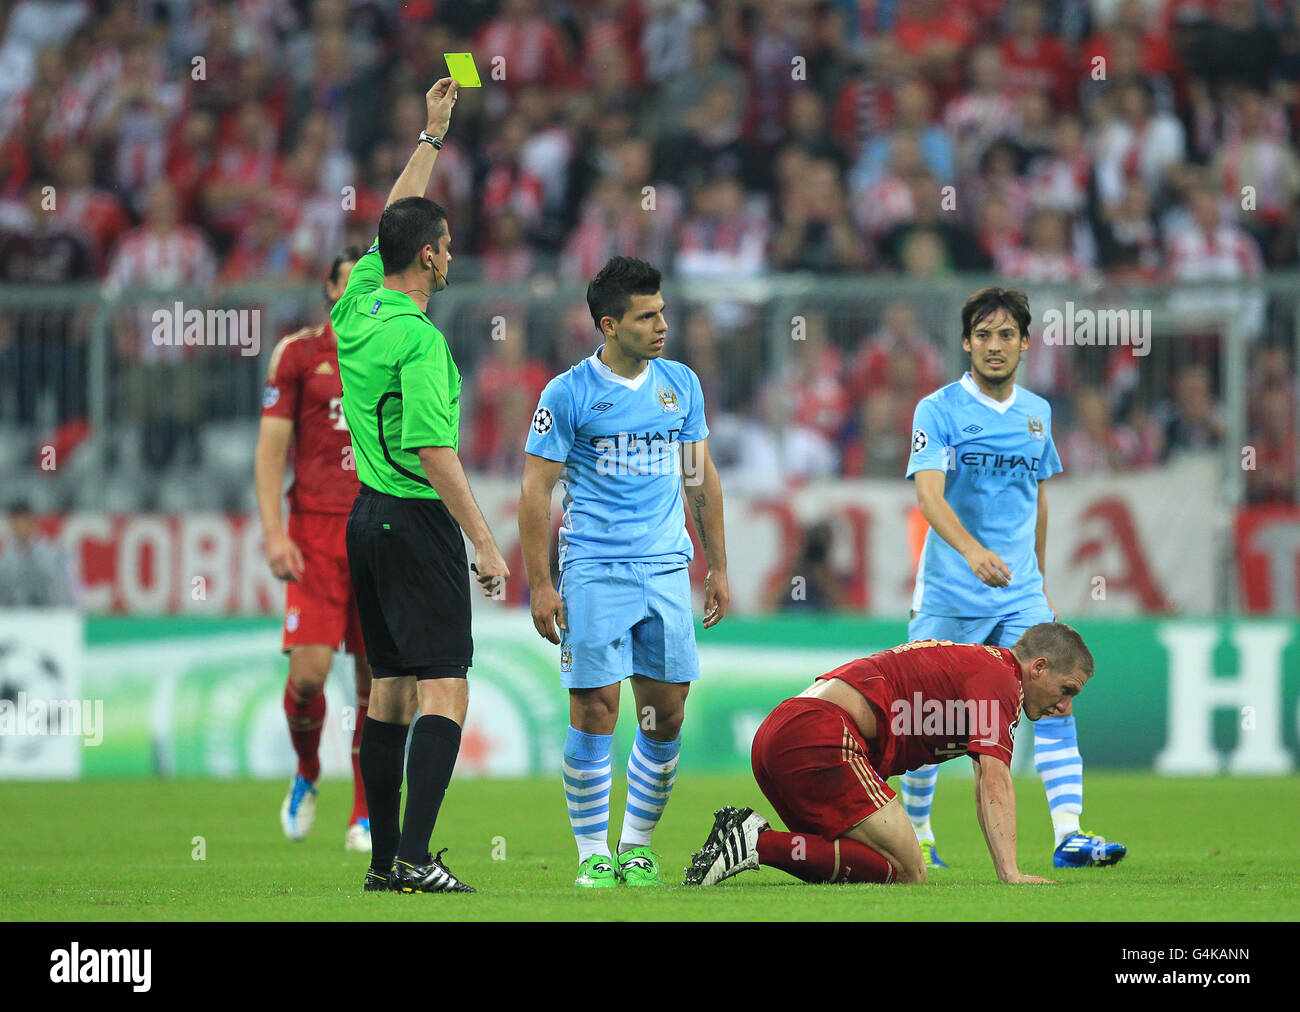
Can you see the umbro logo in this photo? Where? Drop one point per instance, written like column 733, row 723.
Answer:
column 602, row 406
column 972, row 429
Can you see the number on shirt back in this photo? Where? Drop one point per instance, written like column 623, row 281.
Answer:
column 336, row 414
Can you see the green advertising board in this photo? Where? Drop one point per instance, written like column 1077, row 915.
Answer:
column 202, row 697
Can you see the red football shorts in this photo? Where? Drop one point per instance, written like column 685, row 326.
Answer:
column 811, row 763
column 320, row 607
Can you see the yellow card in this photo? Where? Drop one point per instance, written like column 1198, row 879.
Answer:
column 461, row 66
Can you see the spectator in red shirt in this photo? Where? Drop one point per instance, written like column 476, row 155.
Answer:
column 1048, row 255
column 508, row 185
column 1036, row 61
column 1136, row 142
column 242, row 172
column 932, row 36
column 86, row 210
column 1268, row 164
column 533, row 50
column 983, row 112
column 1273, row 479
column 507, row 259
column 1062, row 179
column 723, row 237
column 813, row 383
column 507, row 386
column 1093, row 444
column 190, row 160
column 899, row 337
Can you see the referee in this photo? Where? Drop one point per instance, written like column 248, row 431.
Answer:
column 406, row 552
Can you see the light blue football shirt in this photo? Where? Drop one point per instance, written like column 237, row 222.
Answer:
column 619, row 441
column 994, row 455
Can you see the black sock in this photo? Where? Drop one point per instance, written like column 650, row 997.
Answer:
column 434, row 746
column 382, row 746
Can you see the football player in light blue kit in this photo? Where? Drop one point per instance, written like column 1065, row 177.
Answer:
column 624, row 432
column 981, row 450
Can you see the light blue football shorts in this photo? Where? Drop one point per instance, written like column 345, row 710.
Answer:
column 999, row 631
column 627, row 618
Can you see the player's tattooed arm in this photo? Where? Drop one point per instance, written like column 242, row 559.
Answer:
column 698, row 502
column 704, row 496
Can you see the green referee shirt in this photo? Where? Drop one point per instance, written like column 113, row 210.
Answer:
column 401, row 389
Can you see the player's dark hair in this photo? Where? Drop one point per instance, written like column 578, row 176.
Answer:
column 349, row 254
column 611, row 290
column 1061, row 645
column 405, row 228
column 987, row 301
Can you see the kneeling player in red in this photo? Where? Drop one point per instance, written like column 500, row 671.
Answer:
column 822, row 757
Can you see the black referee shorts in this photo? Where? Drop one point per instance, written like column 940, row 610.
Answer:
column 411, row 578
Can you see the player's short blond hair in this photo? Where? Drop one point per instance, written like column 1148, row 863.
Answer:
column 1059, row 643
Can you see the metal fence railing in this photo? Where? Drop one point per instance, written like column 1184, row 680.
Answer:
column 149, row 399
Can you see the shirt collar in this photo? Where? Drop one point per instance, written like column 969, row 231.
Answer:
column 1001, row 407
column 603, row 370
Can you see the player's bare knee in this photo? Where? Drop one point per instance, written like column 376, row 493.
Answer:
column 663, row 727
column 594, row 711
column 909, row 872
column 307, row 682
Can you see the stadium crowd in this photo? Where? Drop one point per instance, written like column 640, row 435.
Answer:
column 194, row 142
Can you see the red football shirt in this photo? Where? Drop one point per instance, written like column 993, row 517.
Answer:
column 935, row 700
column 304, row 387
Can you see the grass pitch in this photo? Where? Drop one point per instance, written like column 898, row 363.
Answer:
column 1199, row 849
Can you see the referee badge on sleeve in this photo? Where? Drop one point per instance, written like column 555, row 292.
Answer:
column 542, row 421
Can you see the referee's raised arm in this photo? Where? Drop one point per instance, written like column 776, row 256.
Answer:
column 414, row 180
column 406, row 531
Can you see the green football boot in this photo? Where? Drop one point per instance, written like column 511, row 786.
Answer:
column 932, row 860
column 597, row 872
column 639, row 867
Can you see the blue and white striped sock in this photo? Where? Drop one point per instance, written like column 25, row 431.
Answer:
column 587, row 779
column 651, row 770
column 918, row 795
column 1060, row 767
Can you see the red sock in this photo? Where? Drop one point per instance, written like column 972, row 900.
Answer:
column 815, row 859
column 359, row 810
column 306, row 716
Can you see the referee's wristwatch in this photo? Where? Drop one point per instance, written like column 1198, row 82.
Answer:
column 425, row 136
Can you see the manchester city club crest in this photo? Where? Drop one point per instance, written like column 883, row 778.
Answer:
column 668, row 399
column 1036, row 427
column 566, row 657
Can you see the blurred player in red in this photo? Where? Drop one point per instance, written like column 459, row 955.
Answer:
column 302, row 407
column 822, row 757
